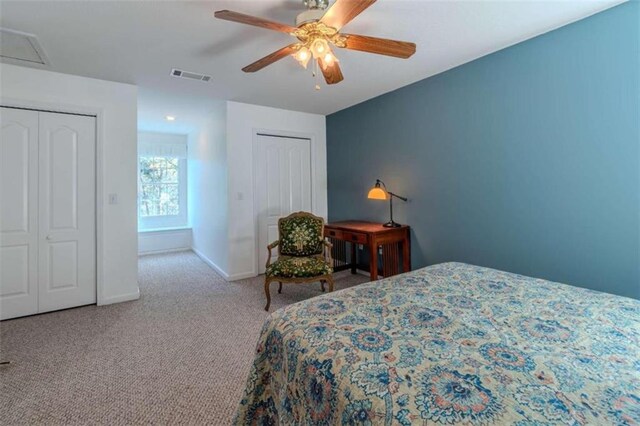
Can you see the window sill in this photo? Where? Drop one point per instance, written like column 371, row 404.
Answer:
column 171, row 229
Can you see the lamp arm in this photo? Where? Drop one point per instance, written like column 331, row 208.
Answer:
column 379, row 182
column 397, row 196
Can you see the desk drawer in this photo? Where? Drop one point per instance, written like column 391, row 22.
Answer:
column 354, row 237
column 333, row 233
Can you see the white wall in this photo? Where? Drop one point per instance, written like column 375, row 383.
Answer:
column 150, row 242
column 116, row 106
column 243, row 121
column 158, row 137
column 208, row 207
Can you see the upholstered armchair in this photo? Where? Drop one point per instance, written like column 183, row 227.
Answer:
column 303, row 253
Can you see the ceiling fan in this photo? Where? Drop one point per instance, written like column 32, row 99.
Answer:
column 317, row 30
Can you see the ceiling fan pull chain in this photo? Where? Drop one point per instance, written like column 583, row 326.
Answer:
column 314, row 74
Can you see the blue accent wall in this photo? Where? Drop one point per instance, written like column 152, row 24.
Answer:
column 526, row 160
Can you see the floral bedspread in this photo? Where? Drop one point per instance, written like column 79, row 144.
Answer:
column 449, row 344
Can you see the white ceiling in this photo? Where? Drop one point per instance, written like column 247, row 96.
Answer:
column 139, row 42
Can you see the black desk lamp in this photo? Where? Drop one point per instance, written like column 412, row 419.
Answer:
column 379, row 192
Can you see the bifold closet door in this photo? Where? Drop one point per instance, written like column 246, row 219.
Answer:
column 18, row 212
column 67, row 216
column 47, row 212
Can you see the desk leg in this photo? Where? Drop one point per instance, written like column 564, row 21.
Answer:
column 353, row 258
column 373, row 260
column 406, row 254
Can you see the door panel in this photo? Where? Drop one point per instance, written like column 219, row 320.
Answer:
column 67, row 256
column 283, row 185
column 63, row 270
column 296, row 190
column 15, row 271
column 273, row 188
column 15, row 167
column 62, row 145
column 18, row 212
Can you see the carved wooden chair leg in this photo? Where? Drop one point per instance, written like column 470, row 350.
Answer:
column 266, row 291
column 279, row 287
column 322, row 285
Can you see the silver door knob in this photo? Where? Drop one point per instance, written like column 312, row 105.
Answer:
column 48, row 237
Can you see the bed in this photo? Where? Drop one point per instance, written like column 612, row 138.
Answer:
column 449, row 344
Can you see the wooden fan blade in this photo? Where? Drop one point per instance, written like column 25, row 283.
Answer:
column 228, row 15
column 269, row 59
column 343, row 11
column 381, row 46
column 332, row 73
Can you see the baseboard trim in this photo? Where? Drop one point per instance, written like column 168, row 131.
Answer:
column 120, row 298
column 146, row 253
column 242, row 276
column 210, row 263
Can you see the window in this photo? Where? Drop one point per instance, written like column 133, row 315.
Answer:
column 162, row 184
column 159, row 191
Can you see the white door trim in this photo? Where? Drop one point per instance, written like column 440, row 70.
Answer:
column 98, row 113
column 284, row 134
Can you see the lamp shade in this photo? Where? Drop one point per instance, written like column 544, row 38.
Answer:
column 377, row 193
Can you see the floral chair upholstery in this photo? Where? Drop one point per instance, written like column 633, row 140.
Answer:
column 303, row 253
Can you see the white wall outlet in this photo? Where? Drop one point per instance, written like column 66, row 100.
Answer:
column 113, row 198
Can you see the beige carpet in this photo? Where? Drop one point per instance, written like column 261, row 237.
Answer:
column 180, row 354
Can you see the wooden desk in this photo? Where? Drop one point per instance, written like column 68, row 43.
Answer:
column 395, row 244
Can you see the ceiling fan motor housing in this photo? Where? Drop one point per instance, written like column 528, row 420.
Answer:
column 309, row 16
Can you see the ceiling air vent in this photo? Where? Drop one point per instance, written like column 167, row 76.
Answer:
column 190, row 75
column 21, row 48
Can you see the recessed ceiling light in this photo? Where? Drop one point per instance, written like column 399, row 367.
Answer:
column 170, row 118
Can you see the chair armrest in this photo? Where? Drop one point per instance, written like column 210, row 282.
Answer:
column 269, row 248
column 328, row 246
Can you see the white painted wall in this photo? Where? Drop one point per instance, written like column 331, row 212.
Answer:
column 150, row 242
column 208, row 206
column 243, row 121
column 116, row 106
column 158, row 137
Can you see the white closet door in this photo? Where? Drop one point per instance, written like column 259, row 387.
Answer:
column 18, row 213
column 283, row 185
column 67, row 241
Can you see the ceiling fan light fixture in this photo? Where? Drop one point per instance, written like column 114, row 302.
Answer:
column 303, row 55
column 319, row 47
column 329, row 58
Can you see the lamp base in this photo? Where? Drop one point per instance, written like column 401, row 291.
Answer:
column 392, row 224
